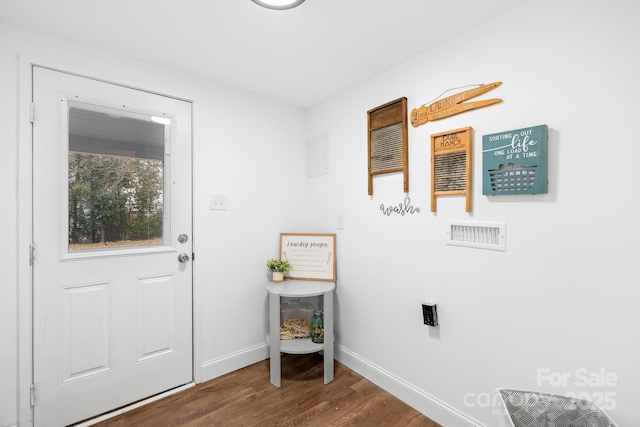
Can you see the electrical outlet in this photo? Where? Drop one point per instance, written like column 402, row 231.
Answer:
column 430, row 314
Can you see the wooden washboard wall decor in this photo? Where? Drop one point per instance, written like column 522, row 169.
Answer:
column 388, row 141
column 451, row 165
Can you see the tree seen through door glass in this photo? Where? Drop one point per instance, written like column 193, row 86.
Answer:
column 116, row 180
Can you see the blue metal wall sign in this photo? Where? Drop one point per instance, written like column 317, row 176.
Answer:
column 515, row 161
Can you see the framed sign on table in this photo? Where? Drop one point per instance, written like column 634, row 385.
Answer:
column 312, row 255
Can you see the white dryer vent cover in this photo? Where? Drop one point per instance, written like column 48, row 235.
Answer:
column 481, row 235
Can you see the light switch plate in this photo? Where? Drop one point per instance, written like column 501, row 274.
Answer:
column 218, row 202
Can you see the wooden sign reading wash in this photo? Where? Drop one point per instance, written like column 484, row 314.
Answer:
column 452, row 105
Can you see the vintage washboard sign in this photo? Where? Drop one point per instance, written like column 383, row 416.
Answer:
column 451, row 165
column 388, row 141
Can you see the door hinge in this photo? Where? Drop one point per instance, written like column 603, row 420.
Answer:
column 32, row 253
column 33, row 395
column 31, row 112
column 193, row 256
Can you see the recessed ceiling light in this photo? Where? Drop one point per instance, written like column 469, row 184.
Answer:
column 278, row 4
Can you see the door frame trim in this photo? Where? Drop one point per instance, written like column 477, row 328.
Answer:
column 24, row 214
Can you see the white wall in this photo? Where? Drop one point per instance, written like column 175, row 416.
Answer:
column 8, row 193
column 257, row 159
column 564, row 294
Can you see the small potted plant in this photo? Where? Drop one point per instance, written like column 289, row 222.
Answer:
column 278, row 268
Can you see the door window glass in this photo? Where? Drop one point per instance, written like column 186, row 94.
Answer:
column 116, row 178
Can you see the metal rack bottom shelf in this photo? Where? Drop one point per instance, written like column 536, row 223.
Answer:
column 299, row 345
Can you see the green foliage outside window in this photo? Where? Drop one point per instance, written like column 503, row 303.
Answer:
column 114, row 199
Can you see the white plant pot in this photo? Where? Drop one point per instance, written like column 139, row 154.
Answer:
column 277, row 276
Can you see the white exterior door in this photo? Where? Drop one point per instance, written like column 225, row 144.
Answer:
column 112, row 272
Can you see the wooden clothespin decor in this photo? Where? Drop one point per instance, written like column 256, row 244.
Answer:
column 452, row 105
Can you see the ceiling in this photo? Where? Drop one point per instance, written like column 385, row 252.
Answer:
column 301, row 56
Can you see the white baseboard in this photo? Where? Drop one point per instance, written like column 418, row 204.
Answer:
column 232, row 362
column 430, row 406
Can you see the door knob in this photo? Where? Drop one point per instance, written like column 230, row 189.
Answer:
column 183, row 257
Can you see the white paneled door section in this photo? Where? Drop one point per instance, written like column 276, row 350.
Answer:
column 112, row 270
column 85, row 330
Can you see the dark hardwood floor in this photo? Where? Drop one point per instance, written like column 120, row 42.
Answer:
column 246, row 398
